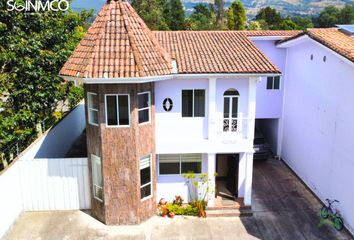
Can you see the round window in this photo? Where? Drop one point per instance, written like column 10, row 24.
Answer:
column 167, row 104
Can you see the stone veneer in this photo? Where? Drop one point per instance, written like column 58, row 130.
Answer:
column 120, row 150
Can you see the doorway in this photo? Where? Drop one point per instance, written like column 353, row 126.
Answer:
column 226, row 181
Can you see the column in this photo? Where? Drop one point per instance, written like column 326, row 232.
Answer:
column 211, row 107
column 245, row 175
column 211, row 176
column 251, row 106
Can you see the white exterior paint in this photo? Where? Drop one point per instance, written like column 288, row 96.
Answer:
column 54, row 184
column 175, row 134
column 318, row 132
column 270, row 102
column 43, row 184
column 11, row 205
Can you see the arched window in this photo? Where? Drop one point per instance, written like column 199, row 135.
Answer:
column 230, row 110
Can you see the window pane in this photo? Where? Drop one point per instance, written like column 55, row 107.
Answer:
column 199, row 103
column 226, row 107
column 92, row 101
column 143, row 100
column 98, row 192
column 143, row 116
column 187, row 103
column 145, row 176
column 145, row 191
column 111, row 106
column 123, row 103
column 269, row 82
column 169, row 168
column 277, row 82
column 234, row 107
column 93, row 116
column 195, row 167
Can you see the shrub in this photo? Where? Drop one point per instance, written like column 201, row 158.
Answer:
column 186, row 209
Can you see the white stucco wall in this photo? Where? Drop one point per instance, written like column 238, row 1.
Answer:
column 269, row 102
column 175, row 134
column 318, row 133
column 57, row 141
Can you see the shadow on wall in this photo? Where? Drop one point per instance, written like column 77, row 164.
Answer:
column 58, row 141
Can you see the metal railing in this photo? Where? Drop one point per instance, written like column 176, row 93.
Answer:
column 230, row 127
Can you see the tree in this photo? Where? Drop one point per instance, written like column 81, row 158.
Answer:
column 230, row 20
column 271, row 17
column 152, row 12
column 303, row 22
column 219, row 11
column 328, row 17
column 203, row 18
column 346, row 15
column 287, row 24
column 177, row 15
column 254, row 25
column 33, row 48
column 237, row 19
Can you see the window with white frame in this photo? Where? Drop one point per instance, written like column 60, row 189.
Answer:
column 92, row 108
column 144, row 106
column 97, row 177
column 273, row 83
column 145, row 177
column 180, row 163
column 193, row 103
column 117, row 110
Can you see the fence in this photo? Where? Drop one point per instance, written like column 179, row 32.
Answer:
column 43, row 184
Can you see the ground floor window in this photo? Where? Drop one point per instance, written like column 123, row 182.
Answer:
column 145, row 177
column 180, row 163
column 97, row 177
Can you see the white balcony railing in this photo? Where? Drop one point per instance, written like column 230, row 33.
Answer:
column 230, row 128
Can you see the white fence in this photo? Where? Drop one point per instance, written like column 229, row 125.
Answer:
column 54, row 184
column 11, row 205
column 43, row 184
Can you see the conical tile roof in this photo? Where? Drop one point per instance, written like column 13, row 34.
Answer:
column 118, row 45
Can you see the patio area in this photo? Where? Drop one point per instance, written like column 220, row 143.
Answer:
column 283, row 209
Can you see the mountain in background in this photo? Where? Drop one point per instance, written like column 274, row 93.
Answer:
column 285, row 7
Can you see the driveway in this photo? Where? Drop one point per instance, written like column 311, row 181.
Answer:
column 283, row 209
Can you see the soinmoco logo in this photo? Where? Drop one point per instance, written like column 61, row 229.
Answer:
column 38, row 5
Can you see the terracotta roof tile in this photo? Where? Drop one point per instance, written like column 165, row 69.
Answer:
column 118, row 45
column 331, row 38
column 266, row 33
column 214, row 52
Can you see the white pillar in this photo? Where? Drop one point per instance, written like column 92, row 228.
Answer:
column 211, row 107
column 211, row 176
column 251, row 106
column 245, row 175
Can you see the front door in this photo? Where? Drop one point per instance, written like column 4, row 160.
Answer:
column 230, row 111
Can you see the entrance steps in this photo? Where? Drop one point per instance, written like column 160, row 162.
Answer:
column 229, row 208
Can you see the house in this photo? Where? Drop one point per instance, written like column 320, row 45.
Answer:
column 160, row 104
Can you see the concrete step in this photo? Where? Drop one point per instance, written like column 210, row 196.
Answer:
column 228, row 212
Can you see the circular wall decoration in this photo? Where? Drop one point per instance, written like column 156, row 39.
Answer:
column 167, row 104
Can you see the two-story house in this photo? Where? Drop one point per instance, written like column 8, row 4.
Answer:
column 163, row 104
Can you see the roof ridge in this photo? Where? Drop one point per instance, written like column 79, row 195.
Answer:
column 134, row 47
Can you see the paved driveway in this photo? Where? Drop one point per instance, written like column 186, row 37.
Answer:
column 283, row 209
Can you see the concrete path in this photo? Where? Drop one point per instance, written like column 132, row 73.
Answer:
column 283, row 209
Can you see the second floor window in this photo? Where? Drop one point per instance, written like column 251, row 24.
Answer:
column 92, row 108
column 273, row 82
column 117, row 110
column 193, row 103
column 144, row 107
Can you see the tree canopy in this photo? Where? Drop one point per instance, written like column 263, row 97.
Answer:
column 236, row 17
column 33, row 48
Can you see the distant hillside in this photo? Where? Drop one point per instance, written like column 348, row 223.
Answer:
column 286, row 7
